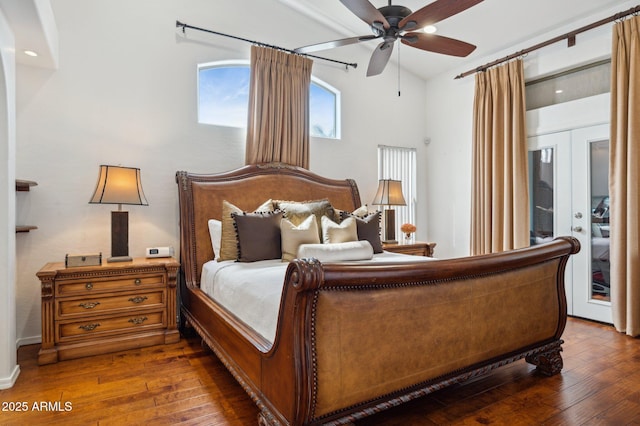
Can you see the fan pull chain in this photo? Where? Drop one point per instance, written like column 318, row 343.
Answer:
column 399, row 44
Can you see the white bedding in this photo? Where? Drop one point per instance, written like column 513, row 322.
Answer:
column 252, row 291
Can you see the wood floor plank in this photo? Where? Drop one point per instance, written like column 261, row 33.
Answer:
column 185, row 384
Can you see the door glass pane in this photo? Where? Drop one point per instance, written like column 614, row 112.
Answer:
column 541, row 190
column 600, row 287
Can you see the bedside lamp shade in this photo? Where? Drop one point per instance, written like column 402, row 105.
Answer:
column 119, row 185
column 389, row 194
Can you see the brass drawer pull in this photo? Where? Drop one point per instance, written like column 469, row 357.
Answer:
column 89, row 305
column 138, row 299
column 90, row 327
column 89, row 286
column 137, row 281
column 138, row 320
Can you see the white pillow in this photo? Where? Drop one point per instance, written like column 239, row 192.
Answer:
column 339, row 233
column 215, row 231
column 352, row 250
column 292, row 236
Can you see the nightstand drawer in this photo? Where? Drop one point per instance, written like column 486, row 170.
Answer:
column 69, row 308
column 92, row 328
column 88, row 287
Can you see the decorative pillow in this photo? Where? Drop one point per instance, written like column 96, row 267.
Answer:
column 258, row 235
column 361, row 211
column 293, row 236
column 352, row 250
column 229, row 242
column 296, row 212
column 339, row 233
column 368, row 228
column 215, row 231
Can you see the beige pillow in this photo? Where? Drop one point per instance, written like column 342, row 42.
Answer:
column 361, row 211
column 293, row 236
column 228, row 238
column 298, row 211
column 339, row 233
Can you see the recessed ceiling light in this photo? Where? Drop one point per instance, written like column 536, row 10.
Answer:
column 430, row 29
column 30, row 53
column 559, row 91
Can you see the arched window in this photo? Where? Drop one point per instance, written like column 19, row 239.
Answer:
column 223, row 98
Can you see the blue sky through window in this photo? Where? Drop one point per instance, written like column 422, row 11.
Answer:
column 223, row 97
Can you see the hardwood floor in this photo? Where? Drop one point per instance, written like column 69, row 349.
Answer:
column 184, row 384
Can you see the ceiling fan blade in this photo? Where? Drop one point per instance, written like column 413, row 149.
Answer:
column 436, row 12
column 332, row 44
column 379, row 58
column 364, row 10
column 437, row 44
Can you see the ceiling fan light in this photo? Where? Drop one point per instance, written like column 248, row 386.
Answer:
column 430, row 29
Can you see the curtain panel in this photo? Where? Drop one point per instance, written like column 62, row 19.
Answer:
column 278, row 127
column 624, row 176
column 500, row 192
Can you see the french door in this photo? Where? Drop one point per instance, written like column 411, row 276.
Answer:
column 568, row 178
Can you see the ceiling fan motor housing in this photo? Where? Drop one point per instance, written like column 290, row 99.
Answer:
column 394, row 14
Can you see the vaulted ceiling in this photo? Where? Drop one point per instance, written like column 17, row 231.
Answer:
column 493, row 26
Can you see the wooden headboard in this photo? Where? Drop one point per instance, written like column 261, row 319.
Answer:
column 201, row 196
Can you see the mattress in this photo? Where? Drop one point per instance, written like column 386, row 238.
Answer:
column 252, row 290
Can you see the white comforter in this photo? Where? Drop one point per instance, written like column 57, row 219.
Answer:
column 252, row 291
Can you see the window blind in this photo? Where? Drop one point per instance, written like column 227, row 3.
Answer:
column 400, row 164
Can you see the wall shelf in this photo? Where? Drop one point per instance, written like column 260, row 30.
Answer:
column 25, row 228
column 24, row 186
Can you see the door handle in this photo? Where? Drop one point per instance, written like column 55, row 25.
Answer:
column 577, row 229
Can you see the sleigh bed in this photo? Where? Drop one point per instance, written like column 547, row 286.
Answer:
column 352, row 338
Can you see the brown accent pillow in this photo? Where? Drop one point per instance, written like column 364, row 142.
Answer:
column 368, row 229
column 228, row 240
column 258, row 235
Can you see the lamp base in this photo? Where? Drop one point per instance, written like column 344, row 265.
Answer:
column 119, row 237
column 390, row 226
column 119, row 259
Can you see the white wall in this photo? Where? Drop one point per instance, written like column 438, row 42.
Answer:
column 9, row 369
column 125, row 93
column 449, row 121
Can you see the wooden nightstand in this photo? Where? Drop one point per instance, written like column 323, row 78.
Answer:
column 93, row 310
column 417, row 249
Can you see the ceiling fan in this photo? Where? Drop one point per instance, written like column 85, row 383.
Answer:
column 394, row 22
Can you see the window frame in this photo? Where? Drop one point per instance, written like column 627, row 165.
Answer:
column 240, row 63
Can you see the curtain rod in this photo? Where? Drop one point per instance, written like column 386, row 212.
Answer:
column 185, row 26
column 570, row 36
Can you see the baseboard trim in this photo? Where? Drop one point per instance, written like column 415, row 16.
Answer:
column 9, row 381
column 23, row 341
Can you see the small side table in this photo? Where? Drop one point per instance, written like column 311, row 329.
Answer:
column 416, row 249
column 92, row 310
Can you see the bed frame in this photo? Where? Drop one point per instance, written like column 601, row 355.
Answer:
column 353, row 340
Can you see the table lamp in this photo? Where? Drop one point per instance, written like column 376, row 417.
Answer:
column 119, row 185
column 389, row 194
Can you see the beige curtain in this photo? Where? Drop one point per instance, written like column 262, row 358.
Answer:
column 278, row 128
column 500, row 193
column 624, row 177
